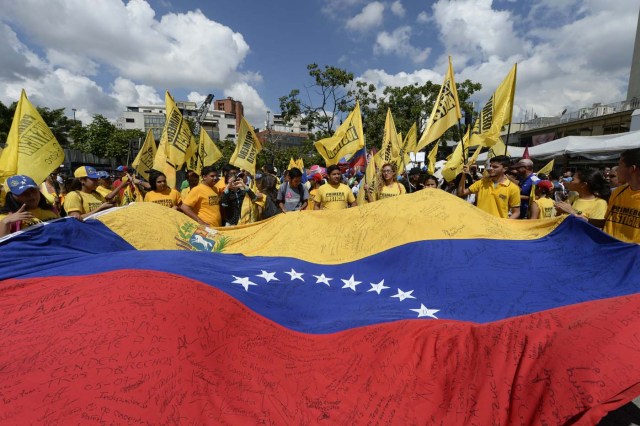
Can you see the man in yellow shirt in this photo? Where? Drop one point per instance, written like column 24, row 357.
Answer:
column 334, row 195
column 203, row 202
column 497, row 195
column 622, row 219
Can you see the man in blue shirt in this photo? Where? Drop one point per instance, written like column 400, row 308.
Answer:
column 524, row 168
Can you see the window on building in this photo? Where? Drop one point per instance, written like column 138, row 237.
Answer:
column 231, row 126
column 130, row 120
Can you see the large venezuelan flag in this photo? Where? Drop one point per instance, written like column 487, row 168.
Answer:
column 414, row 310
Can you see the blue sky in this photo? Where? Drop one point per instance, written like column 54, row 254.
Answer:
column 99, row 56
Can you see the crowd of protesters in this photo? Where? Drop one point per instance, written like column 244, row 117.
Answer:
column 607, row 198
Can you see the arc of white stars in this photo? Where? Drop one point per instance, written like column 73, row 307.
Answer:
column 244, row 282
column 295, row 275
column 268, row 276
column 321, row 279
column 377, row 287
column 351, row 283
column 404, row 295
column 426, row 312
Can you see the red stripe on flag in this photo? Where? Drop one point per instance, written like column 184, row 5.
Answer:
column 135, row 346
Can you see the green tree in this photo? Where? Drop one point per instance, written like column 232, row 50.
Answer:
column 103, row 139
column 56, row 119
column 327, row 97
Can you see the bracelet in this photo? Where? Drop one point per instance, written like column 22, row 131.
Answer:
column 578, row 212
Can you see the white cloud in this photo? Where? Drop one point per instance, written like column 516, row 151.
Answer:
column 254, row 107
column 370, row 17
column 129, row 38
column 422, row 18
column 398, row 42
column 96, row 55
column 397, row 9
column 382, row 79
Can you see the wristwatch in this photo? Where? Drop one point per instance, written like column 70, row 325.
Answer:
column 578, row 212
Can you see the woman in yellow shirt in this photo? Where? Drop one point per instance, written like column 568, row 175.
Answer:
column 82, row 199
column 160, row 193
column 593, row 192
column 24, row 206
column 543, row 206
column 387, row 185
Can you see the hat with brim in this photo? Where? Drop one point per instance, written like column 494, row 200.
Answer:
column 86, row 171
column 20, row 183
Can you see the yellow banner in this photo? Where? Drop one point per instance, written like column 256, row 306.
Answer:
column 31, row 149
column 300, row 164
column 432, row 158
column 292, row 164
column 347, row 139
column 445, row 113
column 547, row 169
column 144, row 160
column 247, row 148
column 390, row 150
column 496, row 113
column 177, row 134
column 206, row 153
column 453, row 167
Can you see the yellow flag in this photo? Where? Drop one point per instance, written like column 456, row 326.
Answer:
column 177, row 134
column 411, row 140
column 496, row 113
column 300, row 164
column 31, row 149
column 499, row 148
column 432, row 158
column 292, row 164
column 247, row 149
column 390, row 150
column 347, row 139
column 131, row 195
column 547, row 169
column 445, row 113
column 206, row 154
column 369, row 179
column 161, row 163
column 144, row 160
column 453, row 167
column 474, row 157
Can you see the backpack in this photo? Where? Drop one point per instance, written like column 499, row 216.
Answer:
column 270, row 209
column 300, row 191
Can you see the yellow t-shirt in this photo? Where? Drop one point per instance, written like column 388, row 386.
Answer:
column 185, row 192
column 39, row 216
column 205, row 202
column 592, row 209
column 336, row 197
column 103, row 191
column 497, row 200
column 546, row 207
column 392, row 190
column 81, row 202
column 311, row 202
column 220, row 185
column 169, row 197
column 622, row 220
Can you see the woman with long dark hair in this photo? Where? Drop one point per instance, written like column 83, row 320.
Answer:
column 592, row 191
column 24, row 206
column 161, row 193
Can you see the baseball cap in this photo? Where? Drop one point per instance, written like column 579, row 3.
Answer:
column 86, row 171
column 317, row 177
column 546, row 185
column 104, row 174
column 122, row 169
column 19, row 183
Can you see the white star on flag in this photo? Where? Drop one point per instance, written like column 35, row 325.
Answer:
column 377, row 287
column 269, row 276
column 404, row 295
column 350, row 283
column 295, row 275
column 243, row 281
column 425, row 312
column 321, row 279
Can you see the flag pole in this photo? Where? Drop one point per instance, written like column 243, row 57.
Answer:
column 506, row 144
